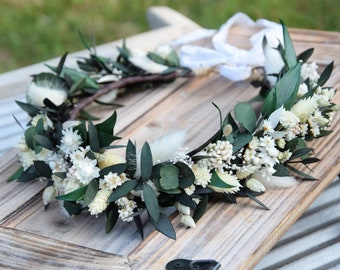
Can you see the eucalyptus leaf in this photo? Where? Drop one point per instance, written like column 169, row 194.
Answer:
column 146, row 162
column 164, row 226
column 186, row 200
column 77, row 85
column 72, row 208
column 105, row 131
column 93, row 138
column 117, row 168
column 61, row 64
column 42, row 168
column 131, row 158
column 74, row 196
column 304, row 175
column 245, row 115
column 32, row 110
column 305, row 55
column 241, row 140
column 112, row 217
column 122, row 190
column 201, row 207
column 44, row 142
column 186, row 177
column 169, row 177
column 290, row 55
column 281, row 170
column 28, row 175
column 91, row 192
column 139, row 225
column 151, row 202
column 300, row 153
column 326, row 74
column 16, row 175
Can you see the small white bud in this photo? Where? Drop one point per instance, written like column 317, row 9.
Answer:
column 48, row 195
column 188, row 221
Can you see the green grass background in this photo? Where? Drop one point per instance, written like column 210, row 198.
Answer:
column 36, row 30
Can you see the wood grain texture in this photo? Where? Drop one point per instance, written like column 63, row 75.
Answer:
column 237, row 236
column 21, row 250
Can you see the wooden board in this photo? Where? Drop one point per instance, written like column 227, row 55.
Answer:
column 237, row 236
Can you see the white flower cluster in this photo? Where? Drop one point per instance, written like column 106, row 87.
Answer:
column 126, row 208
column 221, row 154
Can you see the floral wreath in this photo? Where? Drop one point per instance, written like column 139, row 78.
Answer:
column 246, row 155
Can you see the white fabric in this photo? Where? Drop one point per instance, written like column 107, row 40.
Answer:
column 233, row 62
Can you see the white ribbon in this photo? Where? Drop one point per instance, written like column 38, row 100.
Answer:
column 233, row 62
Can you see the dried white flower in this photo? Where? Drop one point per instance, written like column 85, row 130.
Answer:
column 188, row 221
column 202, row 175
column 49, row 194
column 52, row 90
column 255, row 185
column 140, row 59
column 99, row 202
column 304, row 108
column 70, row 141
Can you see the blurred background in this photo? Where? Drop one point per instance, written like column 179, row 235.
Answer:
column 32, row 31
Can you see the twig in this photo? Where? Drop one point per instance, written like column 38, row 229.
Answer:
column 122, row 83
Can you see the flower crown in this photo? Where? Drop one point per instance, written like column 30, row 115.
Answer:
column 246, row 155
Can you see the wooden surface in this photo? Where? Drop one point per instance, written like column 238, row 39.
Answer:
column 237, row 236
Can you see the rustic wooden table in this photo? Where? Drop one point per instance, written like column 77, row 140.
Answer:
column 237, row 236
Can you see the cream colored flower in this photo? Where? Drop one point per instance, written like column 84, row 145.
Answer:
column 37, row 92
column 112, row 181
column 140, row 59
column 202, row 175
column 255, row 185
column 183, row 209
column 304, row 108
column 109, row 158
column 99, row 202
column 188, row 221
column 49, row 194
column 228, row 179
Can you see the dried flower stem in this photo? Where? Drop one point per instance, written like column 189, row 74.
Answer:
column 122, row 83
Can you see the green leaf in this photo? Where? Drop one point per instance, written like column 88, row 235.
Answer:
column 304, row 175
column 117, row 168
column 281, row 170
column 77, row 85
column 93, row 138
column 241, row 140
column 29, row 108
column 220, row 114
column 81, row 128
column 84, row 41
column 42, row 168
column 306, row 161
column 112, row 217
column 16, row 175
column 122, row 190
column 304, row 56
column 287, row 87
column 44, row 142
column 105, row 131
column 229, row 120
column 29, row 174
column 256, row 200
column 300, row 153
column 164, row 226
column 169, row 177
column 139, row 225
column 216, row 181
column 245, row 115
column 74, row 196
column 72, row 208
column 131, row 158
column 61, row 64
column 201, row 208
column 91, row 192
column 290, row 55
column 146, row 162
column 29, row 137
column 326, row 74
column 186, row 177
column 186, row 200
column 151, row 202
column 269, row 103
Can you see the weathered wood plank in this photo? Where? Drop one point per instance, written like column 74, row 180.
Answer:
column 21, row 250
column 229, row 234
